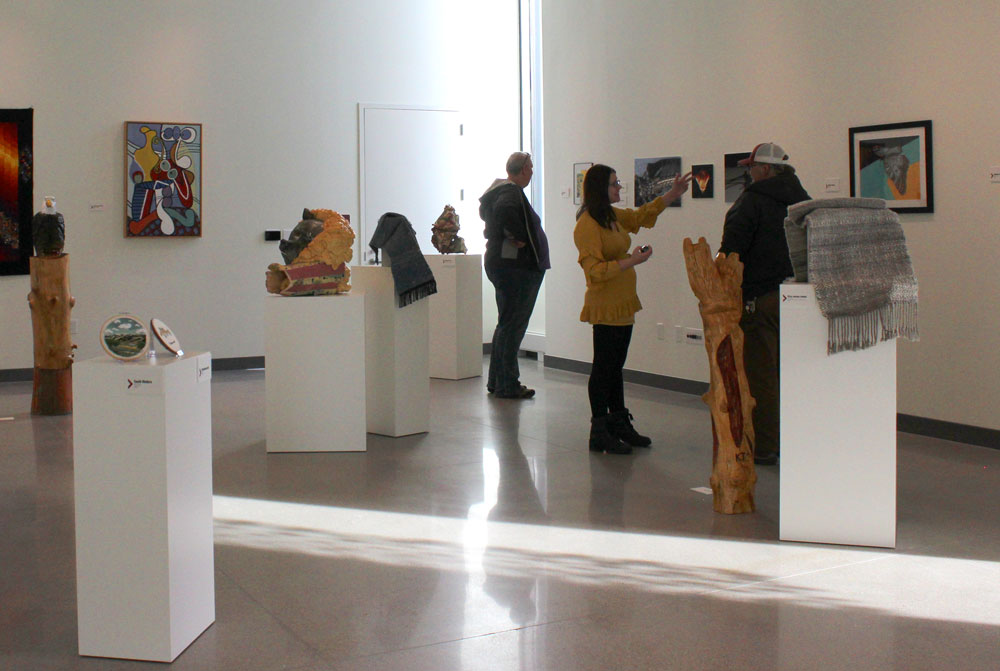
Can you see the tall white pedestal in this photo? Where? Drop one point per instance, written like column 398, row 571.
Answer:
column 838, row 432
column 142, row 453
column 396, row 356
column 456, row 316
column 314, row 374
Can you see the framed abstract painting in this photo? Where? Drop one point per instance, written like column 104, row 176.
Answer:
column 894, row 162
column 579, row 172
column 16, row 175
column 162, row 179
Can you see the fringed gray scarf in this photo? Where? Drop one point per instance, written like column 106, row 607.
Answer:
column 854, row 253
column 411, row 275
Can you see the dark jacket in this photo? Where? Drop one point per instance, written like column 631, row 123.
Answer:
column 755, row 229
column 509, row 217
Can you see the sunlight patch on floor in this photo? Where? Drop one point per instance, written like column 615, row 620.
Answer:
column 796, row 573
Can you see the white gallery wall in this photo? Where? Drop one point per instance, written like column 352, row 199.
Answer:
column 276, row 86
column 635, row 78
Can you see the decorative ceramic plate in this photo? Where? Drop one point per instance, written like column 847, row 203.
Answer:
column 166, row 337
column 124, row 337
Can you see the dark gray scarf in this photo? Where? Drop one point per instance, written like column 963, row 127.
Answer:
column 411, row 275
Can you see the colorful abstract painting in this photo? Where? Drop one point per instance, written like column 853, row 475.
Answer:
column 737, row 176
column 654, row 177
column 703, row 181
column 579, row 172
column 893, row 162
column 16, row 168
column 163, row 179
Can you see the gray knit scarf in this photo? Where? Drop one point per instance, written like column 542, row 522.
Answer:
column 854, row 253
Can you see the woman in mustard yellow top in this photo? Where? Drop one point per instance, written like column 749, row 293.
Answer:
column 602, row 236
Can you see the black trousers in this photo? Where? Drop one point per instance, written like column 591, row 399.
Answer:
column 606, row 386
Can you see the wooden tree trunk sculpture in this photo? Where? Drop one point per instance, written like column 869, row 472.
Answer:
column 720, row 301
column 50, row 303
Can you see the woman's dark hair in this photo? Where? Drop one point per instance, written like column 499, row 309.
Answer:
column 595, row 195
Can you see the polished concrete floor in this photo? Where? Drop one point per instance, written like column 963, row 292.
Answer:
column 497, row 541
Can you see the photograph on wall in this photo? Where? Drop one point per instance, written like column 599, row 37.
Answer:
column 654, row 177
column 579, row 170
column 162, row 179
column 737, row 176
column 16, row 168
column 703, row 181
column 893, row 162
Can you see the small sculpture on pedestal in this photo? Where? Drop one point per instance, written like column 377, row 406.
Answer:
column 48, row 230
column 316, row 255
column 717, row 284
column 50, row 302
column 444, row 233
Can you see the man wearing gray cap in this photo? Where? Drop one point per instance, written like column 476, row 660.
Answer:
column 755, row 230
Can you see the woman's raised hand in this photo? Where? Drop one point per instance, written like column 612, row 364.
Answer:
column 681, row 183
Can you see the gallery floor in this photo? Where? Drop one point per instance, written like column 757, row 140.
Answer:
column 497, row 541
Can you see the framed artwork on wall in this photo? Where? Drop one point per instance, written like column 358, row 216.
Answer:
column 737, row 176
column 16, row 179
column 654, row 177
column 579, row 170
column 703, row 182
column 894, row 162
column 162, row 179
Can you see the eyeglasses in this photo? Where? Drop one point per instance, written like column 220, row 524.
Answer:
column 617, row 184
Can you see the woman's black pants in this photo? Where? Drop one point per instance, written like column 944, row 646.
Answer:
column 606, row 386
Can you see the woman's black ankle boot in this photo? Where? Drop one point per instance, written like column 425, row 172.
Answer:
column 601, row 439
column 620, row 426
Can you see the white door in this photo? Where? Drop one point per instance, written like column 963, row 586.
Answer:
column 409, row 165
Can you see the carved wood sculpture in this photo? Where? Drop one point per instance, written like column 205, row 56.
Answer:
column 720, row 301
column 50, row 303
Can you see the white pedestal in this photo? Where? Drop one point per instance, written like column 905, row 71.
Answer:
column 396, row 356
column 142, row 452
column 314, row 374
column 838, row 432
column 456, row 316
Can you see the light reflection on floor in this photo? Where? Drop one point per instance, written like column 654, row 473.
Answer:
column 707, row 566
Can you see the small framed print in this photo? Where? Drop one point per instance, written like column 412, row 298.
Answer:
column 166, row 337
column 893, row 161
column 124, row 337
column 703, row 182
column 579, row 172
column 737, row 176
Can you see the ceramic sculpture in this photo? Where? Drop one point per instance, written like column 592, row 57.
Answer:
column 444, row 233
column 316, row 255
column 720, row 302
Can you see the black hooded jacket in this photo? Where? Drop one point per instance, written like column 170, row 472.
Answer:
column 509, row 217
column 755, row 229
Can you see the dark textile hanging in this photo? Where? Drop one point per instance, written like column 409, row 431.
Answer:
column 411, row 275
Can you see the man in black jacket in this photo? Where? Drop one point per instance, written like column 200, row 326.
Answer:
column 755, row 230
column 517, row 256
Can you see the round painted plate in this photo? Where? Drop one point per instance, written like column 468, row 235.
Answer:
column 166, row 336
column 124, row 337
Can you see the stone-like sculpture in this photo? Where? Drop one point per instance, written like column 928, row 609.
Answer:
column 48, row 230
column 444, row 233
column 720, row 301
column 50, row 302
column 316, row 256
